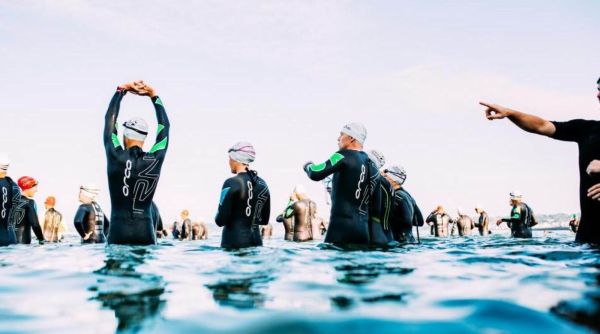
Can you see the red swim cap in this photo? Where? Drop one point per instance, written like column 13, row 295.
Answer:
column 27, row 182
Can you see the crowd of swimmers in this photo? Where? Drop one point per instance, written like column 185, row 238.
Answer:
column 369, row 202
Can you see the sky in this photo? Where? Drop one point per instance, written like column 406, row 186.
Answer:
column 286, row 76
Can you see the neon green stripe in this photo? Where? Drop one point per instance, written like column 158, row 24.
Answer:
column 335, row 158
column 318, row 168
column 159, row 146
column 158, row 101
column 160, row 128
column 115, row 140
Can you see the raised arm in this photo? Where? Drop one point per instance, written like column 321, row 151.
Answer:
column 322, row 170
column 527, row 122
column 162, row 132
column 111, row 139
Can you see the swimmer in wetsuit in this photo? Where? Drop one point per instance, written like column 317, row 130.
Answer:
column 245, row 202
column 303, row 211
column 574, row 223
column 484, row 221
column 26, row 217
column 440, row 222
column 10, row 196
column 132, row 173
column 288, row 223
column 464, row 224
column 405, row 211
column 186, row 226
column 90, row 221
column 352, row 175
column 161, row 231
column 521, row 217
column 53, row 227
column 380, row 232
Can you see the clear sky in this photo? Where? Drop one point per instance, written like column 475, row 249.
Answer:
column 286, row 76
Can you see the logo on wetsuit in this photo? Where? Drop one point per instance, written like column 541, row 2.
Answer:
column 363, row 171
column 4, row 201
column 250, row 196
column 128, row 166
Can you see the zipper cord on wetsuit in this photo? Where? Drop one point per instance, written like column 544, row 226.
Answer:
column 252, row 175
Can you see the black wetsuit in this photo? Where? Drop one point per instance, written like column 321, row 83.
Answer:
column 380, row 210
column 587, row 136
column 350, row 195
column 483, row 224
column 132, row 178
column 303, row 212
column 405, row 215
column 90, row 220
column 9, row 196
column 521, row 220
column 158, row 222
column 245, row 204
column 26, row 220
column 186, row 230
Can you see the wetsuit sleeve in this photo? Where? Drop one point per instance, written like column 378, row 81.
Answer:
column 515, row 216
column 228, row 192
column 418, row 219
column 34, row 222
column 266, row 210
column 106, row 225
column 111, row 139
column 570, row 131
column 162, row 132
column 322, row 170
column 289, row 210
column 80, row 217
column 430, row 218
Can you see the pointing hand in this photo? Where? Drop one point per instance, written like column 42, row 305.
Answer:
column 495, row 111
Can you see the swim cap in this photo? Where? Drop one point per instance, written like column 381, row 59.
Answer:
column 299, row 189
column 136, row 129
column 90, row 191
column 460, row 212
column 377, row 157
column 356, row 131
column 397, row 173
column 478, row 208
column 4, row 163
column 242, row 152
column 50, row 200
column 27, row 182
column 516, row 195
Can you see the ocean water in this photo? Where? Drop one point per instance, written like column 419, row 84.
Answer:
column 457, row 285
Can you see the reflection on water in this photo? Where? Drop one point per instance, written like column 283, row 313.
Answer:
column 134, row 297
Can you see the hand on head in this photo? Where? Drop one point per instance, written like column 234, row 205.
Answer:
column 495, row 111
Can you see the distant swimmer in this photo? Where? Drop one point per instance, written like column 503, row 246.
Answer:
column 245, row 202
column 199, row 230
column 380, row 206
column 304, row 212
column 132, row 173
column 176, row 230
column 26, row 214
column 161, row 231
column 574, row 223
column 288, row 223
column 266, row 232
column 483, row 222
column 585, row 134
column 185, row 226
column 521, row 217
column 53, row 225
column 464, row 224
column 11, row 195
column 90, row 221
column 440, row 222
column 405, row 212
column 350, row 194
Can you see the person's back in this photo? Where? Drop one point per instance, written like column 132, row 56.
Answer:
column 10, row 198
column 52, row 225
column 381, row 208
column 483, row 222
column 133, row 174
column 303, row 212
column 91, row 223
column 405, row 215
column 441, row 223
column 465, row 225
column 520, row 222
column 26, row 220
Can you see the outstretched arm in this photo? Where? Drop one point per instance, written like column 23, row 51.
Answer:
column 527, row 122
column 322, row 170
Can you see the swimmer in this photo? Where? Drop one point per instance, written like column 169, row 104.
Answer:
column 303, row 211
column 132, row 173
column 464, row 224
column 26, row 214
column 266, row 232
column 380, row 232
column 11, row 194
column 521, row 217
column 245, row 202
column 405, row 211
column 53, row 225
column 574, row 223
column 186, row 226
column 350, row 195
column 484, row 221
column 90, row 221
column 582, row 132
column 288, row 223
column 440, row 222
column 199, row 231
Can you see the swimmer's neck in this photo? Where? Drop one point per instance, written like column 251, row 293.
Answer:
column 2, row 175
column 241, row 169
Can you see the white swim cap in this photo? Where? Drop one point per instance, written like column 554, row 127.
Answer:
column 460, row 212
column 136, row 129
column 377, row 157
column 516, row 195
column 299, row 189
column 356, row 131
column 242, row 152
column 4, row 162
column 397, row 173
column 89, row 190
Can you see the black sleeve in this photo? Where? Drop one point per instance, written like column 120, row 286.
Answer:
column 34, row 222
column 80, row 217
column 162, row 132
column 430, row 218
column 229, row 192
column 111, row 138
column 266, row 210
column 570, row 131
column 322, row 170
column 418, row 221
column 106, row 225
